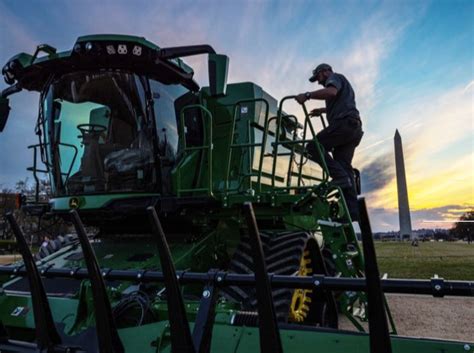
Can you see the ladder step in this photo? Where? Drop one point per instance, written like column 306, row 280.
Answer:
column 332, row 224
column 351, row 254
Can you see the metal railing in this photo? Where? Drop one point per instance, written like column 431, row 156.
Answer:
column 207, row 146
column 248, row 145
column 295, row 146
column 34, row 169
column 291, row 144
column 307, row 124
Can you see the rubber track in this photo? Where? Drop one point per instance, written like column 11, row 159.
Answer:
column 283, row 252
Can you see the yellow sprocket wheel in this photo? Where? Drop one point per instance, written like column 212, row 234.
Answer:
column 301, row 299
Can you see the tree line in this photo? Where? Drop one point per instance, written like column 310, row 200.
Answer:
column 464, row 228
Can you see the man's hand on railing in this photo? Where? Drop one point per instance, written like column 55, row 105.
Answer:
column 317, row 112
column 302, row 97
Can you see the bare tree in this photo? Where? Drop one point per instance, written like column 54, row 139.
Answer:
column 36, row 227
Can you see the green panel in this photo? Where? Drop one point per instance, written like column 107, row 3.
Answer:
column 23, row 58
column 184, row 175
column 234, row 339
column 63, row 310
column 224, row 109
column 119, row 253
column 218, row 71
column 91, row 201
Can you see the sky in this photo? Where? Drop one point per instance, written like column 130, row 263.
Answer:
column 411, row 64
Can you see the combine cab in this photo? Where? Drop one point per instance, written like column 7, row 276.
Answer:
column 201, row 222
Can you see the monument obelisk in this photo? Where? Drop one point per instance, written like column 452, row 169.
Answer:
column 403, row 207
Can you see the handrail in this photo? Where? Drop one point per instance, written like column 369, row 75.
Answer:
column 317, row 145
column 207, row 147
column 262, row 144
column 307, row 124
column 292, row 153
column 35, row 170
column 277, row 139
column 305, row 130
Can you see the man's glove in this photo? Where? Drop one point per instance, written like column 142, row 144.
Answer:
column 317, row 112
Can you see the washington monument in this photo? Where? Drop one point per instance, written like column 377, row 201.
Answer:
column 403, row 207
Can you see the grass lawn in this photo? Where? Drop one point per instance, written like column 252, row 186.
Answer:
column 450, row 260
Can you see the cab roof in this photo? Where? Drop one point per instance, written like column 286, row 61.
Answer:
column 102, row 51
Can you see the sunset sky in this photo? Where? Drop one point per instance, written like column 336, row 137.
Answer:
column 411, row 64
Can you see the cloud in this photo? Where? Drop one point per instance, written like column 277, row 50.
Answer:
column 386, row 219
column 448, row 212
column 363, row 61
column 426, row 218
column 448, row 183
column 446, row 118
column 377, row 174
column 469, row 86
column 17, row 135
column 14, row 35
column 438, row 133
column 383, row 219
column 376, row 143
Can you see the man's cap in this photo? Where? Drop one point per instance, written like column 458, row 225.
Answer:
column 319, row 68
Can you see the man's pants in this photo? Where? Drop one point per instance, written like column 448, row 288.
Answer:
column 341, row 139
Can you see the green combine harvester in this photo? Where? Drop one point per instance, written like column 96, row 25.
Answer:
column 202, row 225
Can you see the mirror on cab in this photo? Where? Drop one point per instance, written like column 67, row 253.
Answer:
column 4, row 111
column 218, row 70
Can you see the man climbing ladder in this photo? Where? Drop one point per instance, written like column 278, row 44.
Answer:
column 342, row 135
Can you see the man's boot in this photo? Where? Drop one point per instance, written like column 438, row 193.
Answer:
column 350, row 195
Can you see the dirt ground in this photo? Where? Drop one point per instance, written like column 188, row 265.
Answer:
column 7, row 259
column 425, row 316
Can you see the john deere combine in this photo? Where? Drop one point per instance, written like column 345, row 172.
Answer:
column 202, row 225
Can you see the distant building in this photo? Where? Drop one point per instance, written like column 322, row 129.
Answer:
column 421, row 234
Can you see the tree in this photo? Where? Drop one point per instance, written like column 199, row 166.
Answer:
column 464, row 229
column 35, row 226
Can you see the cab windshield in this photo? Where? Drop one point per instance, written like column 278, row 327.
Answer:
column 98, row 133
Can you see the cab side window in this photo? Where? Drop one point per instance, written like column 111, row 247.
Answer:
column 169, row 100
column 166, row 125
